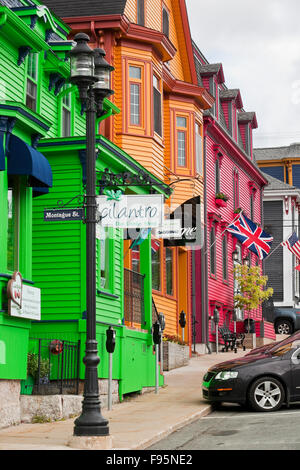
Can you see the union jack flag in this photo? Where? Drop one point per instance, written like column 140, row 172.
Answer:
column 155, row 245
column 293, row 245
column 251, row 235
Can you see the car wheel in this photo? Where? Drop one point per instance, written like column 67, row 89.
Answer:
column 284, row 327
column 266, row 394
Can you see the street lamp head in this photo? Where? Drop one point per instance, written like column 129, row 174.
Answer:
column 235, row 255
column 82, row 61
column 102, row 71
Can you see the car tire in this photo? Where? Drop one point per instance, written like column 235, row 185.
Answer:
column 284, row 327
column 266, row 394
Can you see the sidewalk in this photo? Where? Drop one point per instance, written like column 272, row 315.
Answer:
column 134, row 424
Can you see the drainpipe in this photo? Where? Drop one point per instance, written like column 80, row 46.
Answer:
column 194, row 300
column 204, row 270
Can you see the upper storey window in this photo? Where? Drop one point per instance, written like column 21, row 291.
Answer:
column 181, row 125
column 135, row 76
column 213, row 91
column 247, row 139
column 165, row 21
column 32, row 80
column 140, row 12
column 157, row 105
column 199, row 149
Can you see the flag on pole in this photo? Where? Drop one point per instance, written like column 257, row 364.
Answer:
column 293, row 244
column 251, row 235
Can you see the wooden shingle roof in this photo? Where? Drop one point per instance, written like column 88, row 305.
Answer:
column 73, row 8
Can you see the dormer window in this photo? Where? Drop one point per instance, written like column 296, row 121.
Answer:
column 141, row 12
column 213, row 92
column 247, row 139
column 165, row 21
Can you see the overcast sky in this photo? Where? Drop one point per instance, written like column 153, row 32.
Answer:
column 258, row 43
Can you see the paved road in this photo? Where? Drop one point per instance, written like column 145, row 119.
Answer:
column 234, row 428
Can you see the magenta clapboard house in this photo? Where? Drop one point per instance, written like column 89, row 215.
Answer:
column 231, row 171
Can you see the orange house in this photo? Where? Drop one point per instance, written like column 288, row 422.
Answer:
column 161, row 120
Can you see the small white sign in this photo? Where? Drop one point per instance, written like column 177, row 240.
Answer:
column 131, row 211
column 31, row 304
column 171, row 228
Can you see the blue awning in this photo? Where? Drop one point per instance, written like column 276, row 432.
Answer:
column 25, row 160
column 2, row 154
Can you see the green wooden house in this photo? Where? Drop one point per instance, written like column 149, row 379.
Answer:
column 42, row 162
column 59, row 266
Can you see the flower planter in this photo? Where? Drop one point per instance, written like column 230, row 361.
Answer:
column 221, row 203
column 175, row 355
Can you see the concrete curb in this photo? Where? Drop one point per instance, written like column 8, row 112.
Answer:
column 163, row 434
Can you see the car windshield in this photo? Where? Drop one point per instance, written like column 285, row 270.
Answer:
column 288, row 344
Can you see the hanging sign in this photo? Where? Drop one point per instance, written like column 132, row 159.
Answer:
column 170, row 229
column 31, row 304
column 23, row 301
column 131, row 211
column 56, row 215
column 14, row 289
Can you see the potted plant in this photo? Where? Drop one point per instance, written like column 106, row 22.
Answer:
column 221, row 199
column 237, row 210
column 32, row 372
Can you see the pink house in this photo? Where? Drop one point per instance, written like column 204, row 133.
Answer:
column 233, row 181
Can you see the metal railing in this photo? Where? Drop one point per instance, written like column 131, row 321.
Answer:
column 134, row 309
column 54, row 365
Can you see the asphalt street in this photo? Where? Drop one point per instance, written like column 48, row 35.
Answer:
column 232, row 427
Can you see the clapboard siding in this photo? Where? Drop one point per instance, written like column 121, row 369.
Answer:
column 218, row 290
column 273, row 220
column 14, row 88
column 56, row 246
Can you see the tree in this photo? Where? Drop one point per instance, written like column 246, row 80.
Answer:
column 251, row 293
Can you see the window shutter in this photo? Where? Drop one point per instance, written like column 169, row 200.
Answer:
column 157, row 111
column 166, row 22
column 141, row 12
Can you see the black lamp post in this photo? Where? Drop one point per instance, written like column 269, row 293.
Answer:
column 92, row 85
